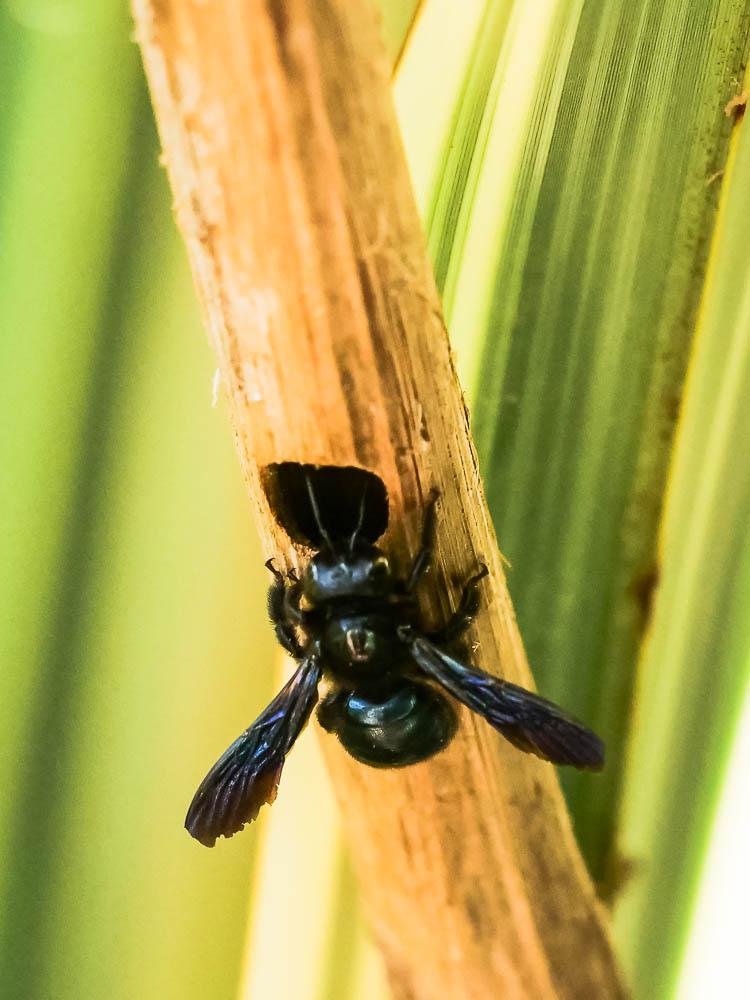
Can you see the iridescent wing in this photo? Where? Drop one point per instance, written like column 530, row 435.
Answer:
column 247, row 774
column 529, row 722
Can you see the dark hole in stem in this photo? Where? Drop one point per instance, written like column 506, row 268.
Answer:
column 341, row 492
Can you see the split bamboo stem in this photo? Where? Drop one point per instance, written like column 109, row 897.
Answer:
column 293, row 196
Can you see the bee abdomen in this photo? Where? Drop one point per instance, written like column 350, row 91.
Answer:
column 390, row 724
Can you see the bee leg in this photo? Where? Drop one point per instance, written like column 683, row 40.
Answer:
column 329, row 710
column 281, row 602
column 270, row 565
column 293, row 614
column 424, row 556
column 466, row 611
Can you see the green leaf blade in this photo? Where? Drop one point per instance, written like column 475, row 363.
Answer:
column 696, row 661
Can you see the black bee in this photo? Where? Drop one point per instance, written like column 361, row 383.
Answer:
column 349, row 619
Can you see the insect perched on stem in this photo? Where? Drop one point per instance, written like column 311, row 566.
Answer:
column 350, row 620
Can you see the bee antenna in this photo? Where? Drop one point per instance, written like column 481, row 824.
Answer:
column 316, row 513
column 360, row 520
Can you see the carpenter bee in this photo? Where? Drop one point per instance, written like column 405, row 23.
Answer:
column 349, row 619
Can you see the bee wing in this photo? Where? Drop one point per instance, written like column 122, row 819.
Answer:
column 247, row 774
column 529, row 722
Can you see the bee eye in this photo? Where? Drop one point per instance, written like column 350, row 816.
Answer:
column 378, row 570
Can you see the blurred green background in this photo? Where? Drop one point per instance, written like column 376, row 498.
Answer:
column 585, row 200
column 133, row 631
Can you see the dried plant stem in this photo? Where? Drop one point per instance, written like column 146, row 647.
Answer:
column 293, row 197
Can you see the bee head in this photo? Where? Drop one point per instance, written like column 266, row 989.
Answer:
column 329, row 576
